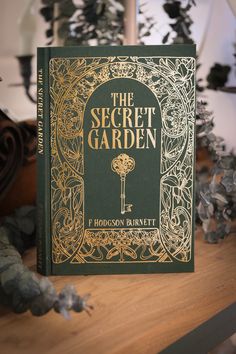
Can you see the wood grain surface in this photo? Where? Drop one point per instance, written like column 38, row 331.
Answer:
column 133, row 314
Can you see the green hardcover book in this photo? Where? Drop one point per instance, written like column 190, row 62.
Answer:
column 116, row 142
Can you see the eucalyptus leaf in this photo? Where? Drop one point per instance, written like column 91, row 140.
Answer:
column 220, row 197
column 205, row 225
column 211, row 237
column 67, row 8
column 205, row 199
column 20, row 288
column 165, row 38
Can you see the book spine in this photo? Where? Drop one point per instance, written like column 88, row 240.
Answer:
column 43, row 164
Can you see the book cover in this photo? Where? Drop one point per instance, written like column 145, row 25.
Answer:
column 116, row 153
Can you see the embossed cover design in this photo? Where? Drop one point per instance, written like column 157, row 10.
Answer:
column 116, row 159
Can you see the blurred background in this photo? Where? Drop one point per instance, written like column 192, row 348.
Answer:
column 213, row 31
column 28, row 24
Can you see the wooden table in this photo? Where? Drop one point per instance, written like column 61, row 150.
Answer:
column 134, row 314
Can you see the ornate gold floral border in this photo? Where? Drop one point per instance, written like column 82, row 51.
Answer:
column 72, row 82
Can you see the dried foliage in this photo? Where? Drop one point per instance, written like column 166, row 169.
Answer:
column 218, row 76
column 20, row 289
column 216, row 186
column 180, row 27
column 90, row 22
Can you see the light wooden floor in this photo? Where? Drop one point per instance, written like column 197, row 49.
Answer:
column 134, row 314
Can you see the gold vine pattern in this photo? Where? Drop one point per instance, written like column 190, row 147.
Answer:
column 124, row 245
column 72, row 82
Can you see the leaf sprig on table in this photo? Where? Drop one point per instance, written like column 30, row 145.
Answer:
column 20, row 288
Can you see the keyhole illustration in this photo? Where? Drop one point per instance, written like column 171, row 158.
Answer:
column 122, row 165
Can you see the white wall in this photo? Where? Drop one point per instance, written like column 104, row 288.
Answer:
column 214, row 31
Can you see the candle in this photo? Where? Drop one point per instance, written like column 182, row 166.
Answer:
column 131, row 9
column 27, row 28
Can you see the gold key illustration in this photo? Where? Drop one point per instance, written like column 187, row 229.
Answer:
column 122, row 165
